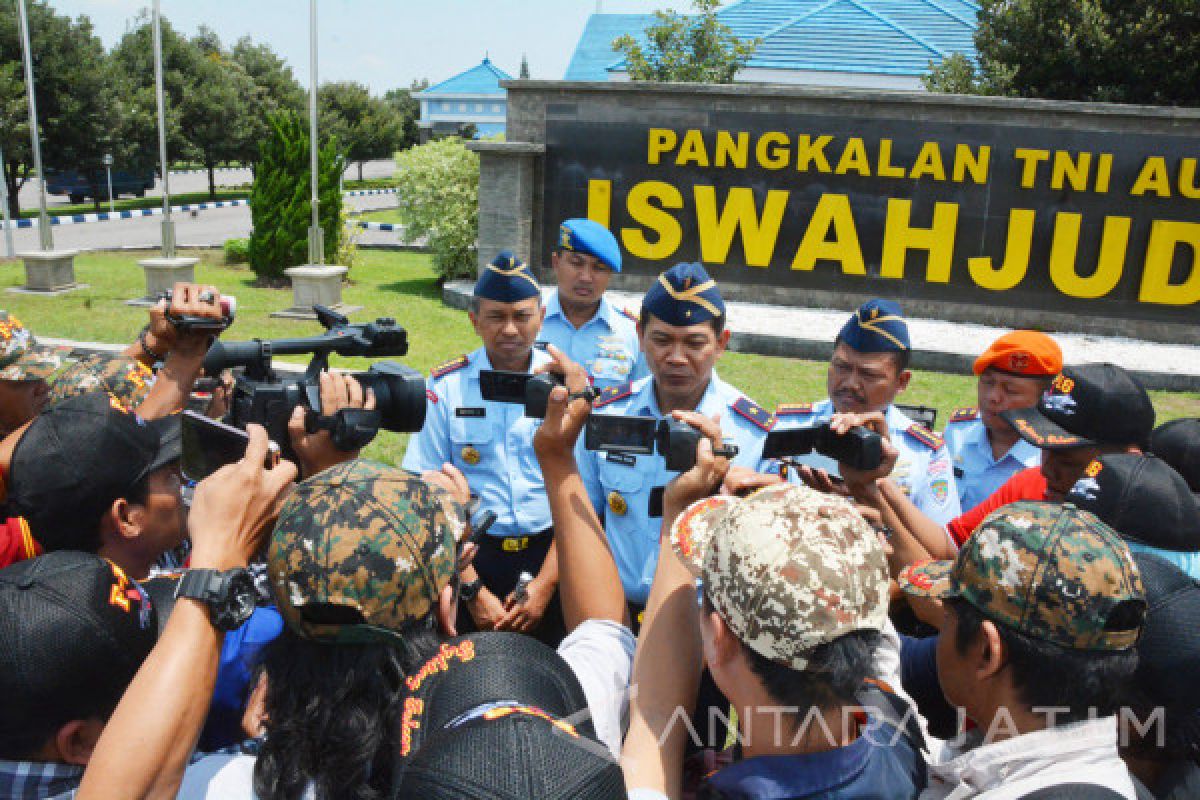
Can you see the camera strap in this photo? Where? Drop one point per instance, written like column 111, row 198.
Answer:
column 351, row 428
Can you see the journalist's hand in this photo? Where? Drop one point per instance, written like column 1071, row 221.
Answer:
column 860, row 480
column 235, row 507
column 316, row 451
column 703, row 479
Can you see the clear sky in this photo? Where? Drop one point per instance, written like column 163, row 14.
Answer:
column 384, row 43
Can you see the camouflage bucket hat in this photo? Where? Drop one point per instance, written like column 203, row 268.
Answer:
column 361, row 550
column 1048, row 571
column 21, row 359
column 124, row 378
column 788, row 568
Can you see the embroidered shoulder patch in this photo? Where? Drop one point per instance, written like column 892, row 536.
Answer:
column 447, row 367
column 925, row 436
column 754, row 412
column 612, row 394
column 964, row 414
column 793, row 409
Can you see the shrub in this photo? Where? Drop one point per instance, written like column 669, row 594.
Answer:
column 438, row 198
column 280, row 205
column 237, row 251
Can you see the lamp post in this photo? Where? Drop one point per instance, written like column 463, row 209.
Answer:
column 44, row 235
column 316, row 243
column 168, row 227
column 108, row 162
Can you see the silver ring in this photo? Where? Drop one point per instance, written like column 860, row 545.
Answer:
column 207, row 297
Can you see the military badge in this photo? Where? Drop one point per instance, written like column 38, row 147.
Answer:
column 617, row 503
column 470, row 455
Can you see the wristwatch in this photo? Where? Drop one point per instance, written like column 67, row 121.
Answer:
column 469, row 590
column 230, row 596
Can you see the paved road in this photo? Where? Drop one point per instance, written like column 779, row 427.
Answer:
column 210, row 227
column 198, row 182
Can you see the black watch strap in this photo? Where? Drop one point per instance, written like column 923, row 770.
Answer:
column 230, row 596
column 469, row 590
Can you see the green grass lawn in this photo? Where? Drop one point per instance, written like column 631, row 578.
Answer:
column 384, row 215
column 401, row 285
column 134, row 203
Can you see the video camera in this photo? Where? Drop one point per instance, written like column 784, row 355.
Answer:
column 520, row 388
column 187, row 323
column 858, row 448
column 675, row 441
column 261, row 396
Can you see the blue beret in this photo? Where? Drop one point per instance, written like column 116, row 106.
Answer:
column 684, row 295
column 877, row 327
column 590, row 238
column 506, row 280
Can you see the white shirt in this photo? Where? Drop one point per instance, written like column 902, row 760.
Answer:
column 599, row 652
column 1081, row 752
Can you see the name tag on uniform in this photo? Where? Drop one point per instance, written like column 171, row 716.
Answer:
column 470, row 412
column 621, row 458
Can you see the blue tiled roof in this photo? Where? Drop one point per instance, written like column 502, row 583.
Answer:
column 889, row 37
column 594, row 53
column 483, row 78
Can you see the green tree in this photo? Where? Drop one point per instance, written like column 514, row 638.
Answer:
column 272, row 75
column 280, row 202
column 406, row 104
column 438, row 198
column 78, row 113
column 1124, row 51
column 691, row 48
column 367, row 127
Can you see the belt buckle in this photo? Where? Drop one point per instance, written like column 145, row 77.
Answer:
column 514, row 544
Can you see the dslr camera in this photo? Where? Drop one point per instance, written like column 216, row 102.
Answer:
column 260, row 396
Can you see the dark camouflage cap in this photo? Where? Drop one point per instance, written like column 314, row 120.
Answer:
column 124, row 378
column 361, row 550
column 21, row 359
column 1049, row 571
column 788, row 568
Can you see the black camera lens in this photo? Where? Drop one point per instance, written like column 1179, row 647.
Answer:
column 399, row 395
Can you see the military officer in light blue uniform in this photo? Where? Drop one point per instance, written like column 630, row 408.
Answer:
column 682, row 329
column 492, row 444
column 986, row 451
column 869, row 367
column 580, row 320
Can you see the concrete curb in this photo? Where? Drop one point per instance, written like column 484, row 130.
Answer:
column 1133, row 356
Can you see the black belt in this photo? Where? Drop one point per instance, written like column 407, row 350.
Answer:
column 514, row 544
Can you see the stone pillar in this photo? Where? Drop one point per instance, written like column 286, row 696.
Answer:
column 509, row 218
column 49, row 272
column 163, row 274
column 315, row 284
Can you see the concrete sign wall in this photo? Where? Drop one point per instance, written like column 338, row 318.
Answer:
column 1063, row 216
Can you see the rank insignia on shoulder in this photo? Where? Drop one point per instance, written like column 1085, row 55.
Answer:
column 752, row 411
column 453, row 365
column 925, row 436
column 626, row 312
column 964, row 414
column 793, row 409
column 612, row 394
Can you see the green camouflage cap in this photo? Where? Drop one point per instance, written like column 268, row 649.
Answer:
column 21, row 359
column 361, row 550
column 788, row 568
column 1049, row 571
column 124, row 378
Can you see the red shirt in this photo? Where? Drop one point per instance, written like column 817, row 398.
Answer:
column 16, row 543
column 1028, row 484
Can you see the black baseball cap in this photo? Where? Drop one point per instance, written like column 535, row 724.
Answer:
column 1142, row 498
column 1178, row 443
column 505, row 693
column 1169, row 648
column 73, row 632
column 1090, row 405
column 79, row 456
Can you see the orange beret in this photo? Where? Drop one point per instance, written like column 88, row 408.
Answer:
column 1023, row 353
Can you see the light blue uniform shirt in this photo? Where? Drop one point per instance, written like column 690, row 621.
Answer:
column 976, row 472
column 632, row 533
column 606, row 345
column 923, row 470
column 460, row 424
